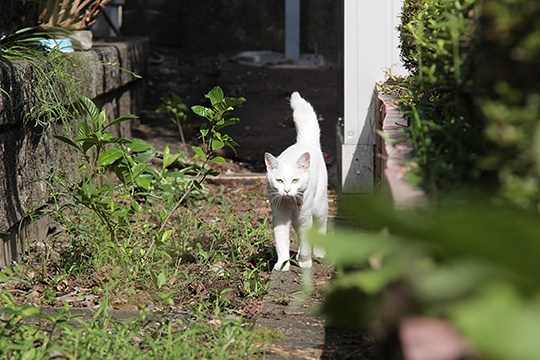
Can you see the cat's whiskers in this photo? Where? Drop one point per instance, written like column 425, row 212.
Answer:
column 275, row 198
column 298, row 199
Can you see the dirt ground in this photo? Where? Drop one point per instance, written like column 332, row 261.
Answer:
column 265, row 118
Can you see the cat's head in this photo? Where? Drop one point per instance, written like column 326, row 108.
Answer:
column 288, row 178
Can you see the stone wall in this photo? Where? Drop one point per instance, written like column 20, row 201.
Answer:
column 30, row 154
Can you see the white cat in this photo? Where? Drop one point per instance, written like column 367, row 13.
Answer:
column 297, row 187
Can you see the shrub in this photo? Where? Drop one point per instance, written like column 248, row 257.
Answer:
column 436, row 37
column 472, row 98
column 508, row 96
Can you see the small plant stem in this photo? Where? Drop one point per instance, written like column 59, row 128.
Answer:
column 106, row 222
column 176, row 206
column 181, row 132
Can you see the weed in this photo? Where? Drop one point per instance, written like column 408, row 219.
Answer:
column 28, row 332
column 177, row 111
column 191, row 282
column 56, row 77
column 211, row 137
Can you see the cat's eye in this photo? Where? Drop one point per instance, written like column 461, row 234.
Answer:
column 295, row 181
column 280, row 181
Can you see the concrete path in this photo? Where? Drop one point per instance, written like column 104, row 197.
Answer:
column 290, row 311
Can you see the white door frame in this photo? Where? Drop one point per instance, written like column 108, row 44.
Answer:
column 370, row 51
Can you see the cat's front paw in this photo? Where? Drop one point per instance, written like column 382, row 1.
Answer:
column 319, row 252
column 284, row 266
column 306, row 264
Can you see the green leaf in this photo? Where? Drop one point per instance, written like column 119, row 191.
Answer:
column 106, row 137
column 371, row 281
column 128, row 117
column 230, row 101
column 199, row 152
column 215, row 95
column 139, row 169
column 500, row 323
column 216, row 145
column 145, row 156
column 166, row 151
column 174, row 174
column 138, row 145
column 197, row 184
column 144, row 181
column 203, row 131
column 117, row 140
column 161, row 280
column 231, row 144
column 169, row 159
column 100, row 120
column 228, row 122
column 83, row 129
column 489, row 232
column 166, row 235
column 451, row 281
column 90, row 107
column 203, row 111
column 109, row 156
column 67, row 141
column 29, row 311
column 88, row 142
column 352, row 247
column 218, row 160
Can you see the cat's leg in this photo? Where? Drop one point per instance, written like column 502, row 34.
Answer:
column 321, row 217
column 318, row 251
column 281, row 235
column 302, row 227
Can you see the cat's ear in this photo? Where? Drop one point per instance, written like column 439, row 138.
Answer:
column 303, row 161
column 271, row 162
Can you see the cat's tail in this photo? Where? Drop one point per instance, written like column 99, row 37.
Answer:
column 305, row 121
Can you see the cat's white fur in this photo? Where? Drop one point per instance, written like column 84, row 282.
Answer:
column 297, row 187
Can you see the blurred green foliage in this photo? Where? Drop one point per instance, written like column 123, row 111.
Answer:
column 473, row 104
column 507, row 93
column 474, row 264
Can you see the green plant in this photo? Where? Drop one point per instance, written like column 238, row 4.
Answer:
column 436, row 38
column 463, row 262
column 211, row 137
column 508, row 97
column 117, row 205
column 471, row 99
column 177, row 111
column 199, row 275
column 28, row 332
column 56, row 76
column 92, row 191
